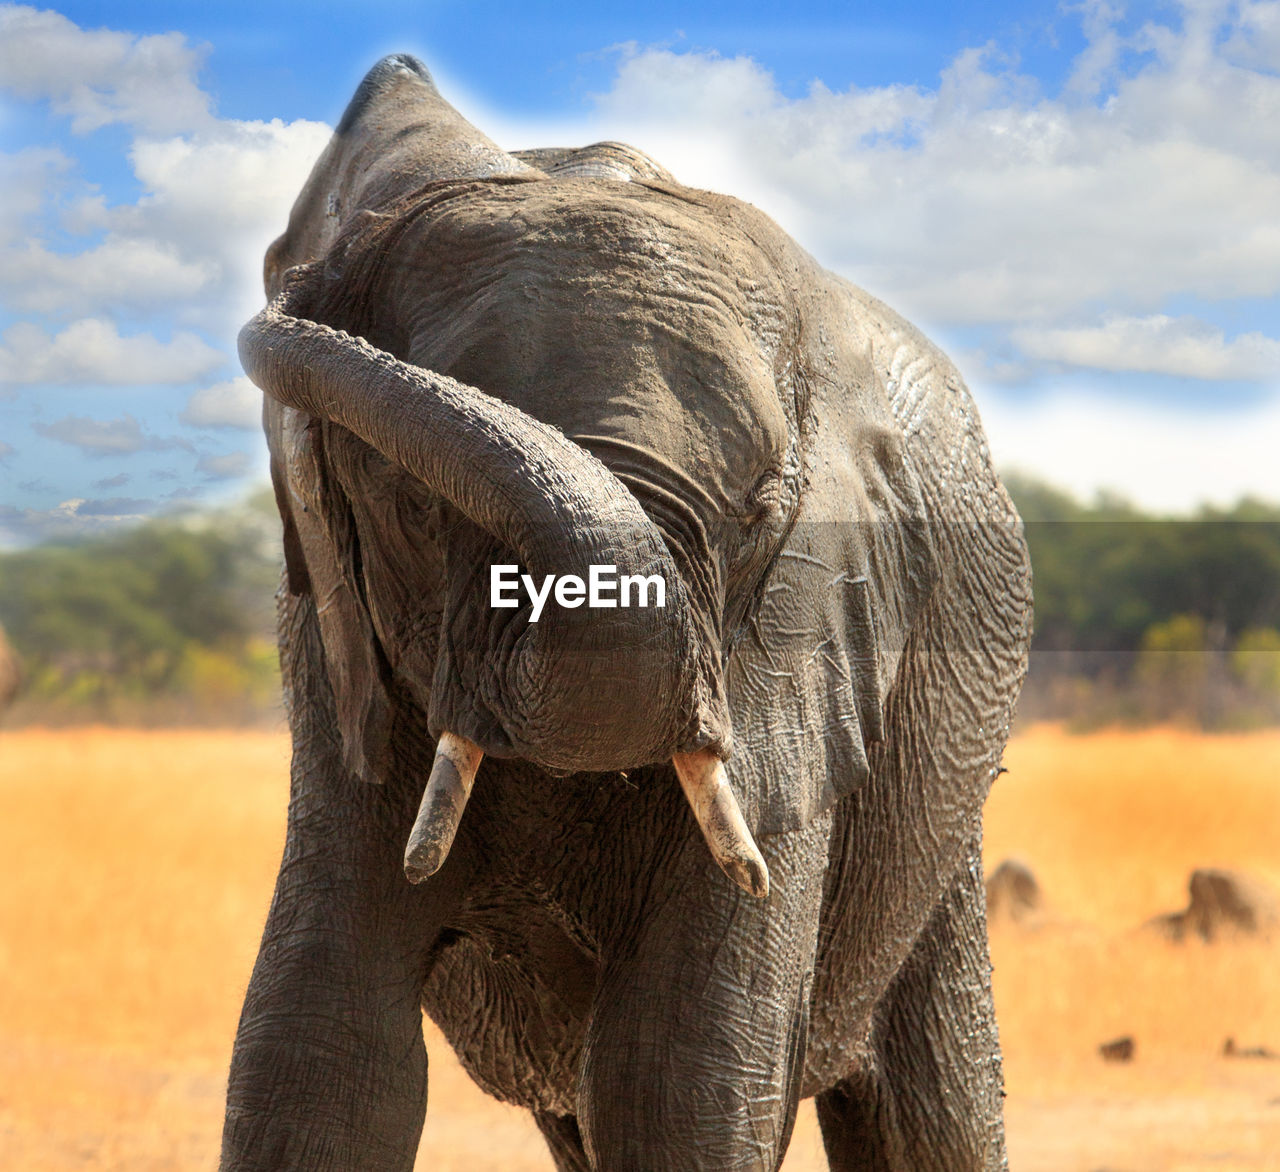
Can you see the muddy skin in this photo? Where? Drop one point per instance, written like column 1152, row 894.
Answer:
column 678, row 867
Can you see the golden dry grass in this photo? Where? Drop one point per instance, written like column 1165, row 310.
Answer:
column 138, row 868
column 1112, row 824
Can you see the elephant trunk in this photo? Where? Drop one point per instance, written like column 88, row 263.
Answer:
column 558, row 509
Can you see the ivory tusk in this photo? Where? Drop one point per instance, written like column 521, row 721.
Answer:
column 706, row 786
column 452, row 775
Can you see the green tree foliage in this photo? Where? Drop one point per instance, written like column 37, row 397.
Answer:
column 1256, row 660
column 178, row 609
column 1105, row 573
column 1146, row 618
column 1175, row 665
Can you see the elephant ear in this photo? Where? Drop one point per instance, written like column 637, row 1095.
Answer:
column 322, row 558
column 396, row 135
column 808, row 678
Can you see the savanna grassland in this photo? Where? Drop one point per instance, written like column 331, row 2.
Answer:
column 138, row 866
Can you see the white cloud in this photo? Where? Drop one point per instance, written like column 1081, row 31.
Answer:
column 226, row 178
column 77, row 517
column 115, row 508
column 119, row 480
column 97, row 76
column 191, row 245
column 26, row 178
column 119, row 273
column 217, row 199
column 983, row 200
column 237, row 403
column 1169, row 461
column 1097, row 63
column 92, row 352
column 1182, row 347
column 106, row 437
column 214, row 192
column 230, row 466
column 1256, row 41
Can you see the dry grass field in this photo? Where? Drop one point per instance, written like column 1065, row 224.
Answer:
column 137, row 869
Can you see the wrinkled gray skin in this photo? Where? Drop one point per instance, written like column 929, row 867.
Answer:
column 847, row 622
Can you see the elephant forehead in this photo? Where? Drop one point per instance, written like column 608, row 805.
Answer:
column 600, row 250
column 601, row 309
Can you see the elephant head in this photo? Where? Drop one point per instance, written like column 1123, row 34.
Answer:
column 562, row 359
column 473, row 361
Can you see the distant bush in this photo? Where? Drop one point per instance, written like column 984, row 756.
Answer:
column 1256, row 660
column 1173, row 665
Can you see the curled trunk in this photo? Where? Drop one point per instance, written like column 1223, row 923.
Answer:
column 550, row 502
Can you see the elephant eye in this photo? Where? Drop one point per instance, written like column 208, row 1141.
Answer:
column 765, row 497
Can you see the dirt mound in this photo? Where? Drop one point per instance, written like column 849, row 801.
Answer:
column 1118, row 1049
column 1013, row 893
column 1222, row 902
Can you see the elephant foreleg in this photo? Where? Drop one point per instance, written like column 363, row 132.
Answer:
column 931, row 1098
column 329, row 1070
column 696, row 1045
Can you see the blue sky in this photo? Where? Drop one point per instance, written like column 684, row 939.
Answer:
column 1078, row 201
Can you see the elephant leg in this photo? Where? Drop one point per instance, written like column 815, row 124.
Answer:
column 931, row 1097
column 564, row 1140
column 695, row 1051
column 329, row 1069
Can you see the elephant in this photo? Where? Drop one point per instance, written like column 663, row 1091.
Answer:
column 658, row 872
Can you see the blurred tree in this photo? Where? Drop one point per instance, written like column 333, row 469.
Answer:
column 1104, row 573
column 1119, row 594
column 177, row 607
column 1256, row 660
column 1174, row 668
column 10, row 672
